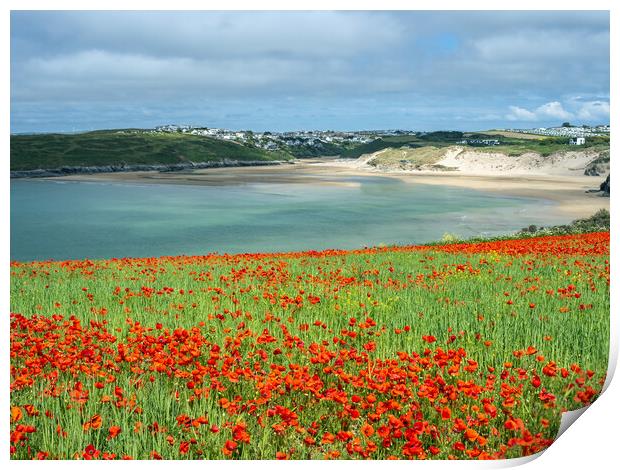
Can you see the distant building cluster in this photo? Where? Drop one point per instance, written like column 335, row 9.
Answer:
column 572, row 131
column 483, row 142
column 320, row 141
column 276, row 140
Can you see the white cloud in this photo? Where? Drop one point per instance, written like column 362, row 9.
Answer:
column 434, row 65
column 553, row 110
column 594, row 110
column 118, row 76
column 578, row 109
column 524, row 45
column 221, row 34
column 520, row 114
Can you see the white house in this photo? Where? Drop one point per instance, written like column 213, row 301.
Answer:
column 577, row 141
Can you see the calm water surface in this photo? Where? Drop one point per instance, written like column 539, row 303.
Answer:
column 72, row 220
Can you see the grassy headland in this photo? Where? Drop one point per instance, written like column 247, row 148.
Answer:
column 101, row 148
column 139, row 147
column 597, row 222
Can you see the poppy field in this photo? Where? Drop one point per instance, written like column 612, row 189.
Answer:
column 461, row 351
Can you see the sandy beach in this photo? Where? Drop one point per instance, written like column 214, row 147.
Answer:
column 568, row 192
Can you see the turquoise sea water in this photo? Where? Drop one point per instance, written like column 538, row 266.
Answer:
column 72, row 220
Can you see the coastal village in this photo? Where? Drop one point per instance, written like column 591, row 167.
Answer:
column 276, row 140
column 566, row 131
column 317, row 139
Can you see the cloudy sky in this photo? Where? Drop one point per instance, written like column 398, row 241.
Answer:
column 308, row 70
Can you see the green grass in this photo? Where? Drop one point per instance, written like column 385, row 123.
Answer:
column 516, row 135
column 543, row 147
column 102, row 148
column 408, row 157
column 325, row 149
column 171, row 311
column 510, row 145
column 597, row 222
column 382, row 143
column 130, row 146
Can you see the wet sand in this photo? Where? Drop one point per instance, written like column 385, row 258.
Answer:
column 567, row 192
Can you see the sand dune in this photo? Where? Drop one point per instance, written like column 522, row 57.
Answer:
column 479, row 162
column 476, row 162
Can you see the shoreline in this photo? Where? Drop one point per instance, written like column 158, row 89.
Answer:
column 568, row 193
column 156, row 167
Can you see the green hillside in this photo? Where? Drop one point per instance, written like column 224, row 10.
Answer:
column 135, row 147
column 510, row 145
column 101, row 148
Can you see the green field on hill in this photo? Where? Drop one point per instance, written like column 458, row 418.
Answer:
column 101, row 148
column 510, row 145
column 133, row 146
